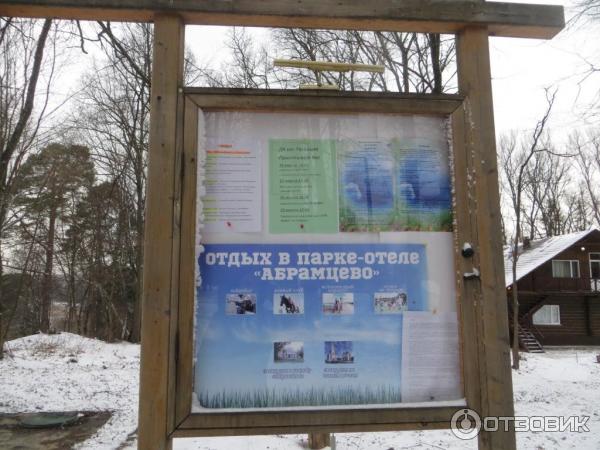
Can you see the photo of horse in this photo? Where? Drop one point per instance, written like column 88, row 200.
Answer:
column 390, row 302
column 285, row 302
column 237, row 304
column 338, row 303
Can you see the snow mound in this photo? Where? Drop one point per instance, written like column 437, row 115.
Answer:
column 67, row 372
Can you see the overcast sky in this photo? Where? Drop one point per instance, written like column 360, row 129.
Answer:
column 521, row 69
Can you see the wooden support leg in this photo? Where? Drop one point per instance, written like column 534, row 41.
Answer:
column 167, row 78
column 479, row 144
column 319, row 440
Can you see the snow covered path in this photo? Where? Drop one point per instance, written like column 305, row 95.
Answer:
column 69, row 372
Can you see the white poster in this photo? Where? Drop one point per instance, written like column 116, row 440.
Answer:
column 430, row 357
column 233, row 189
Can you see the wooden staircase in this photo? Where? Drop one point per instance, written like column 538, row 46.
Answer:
column 528, row 341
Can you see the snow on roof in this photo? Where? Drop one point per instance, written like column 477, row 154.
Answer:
column 540, row 251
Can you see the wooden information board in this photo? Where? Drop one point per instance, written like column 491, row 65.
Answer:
column 167, row 370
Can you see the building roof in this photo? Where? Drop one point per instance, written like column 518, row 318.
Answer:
column 540, row 251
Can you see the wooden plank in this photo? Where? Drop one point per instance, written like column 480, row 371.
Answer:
column 158, row 240
column 323, row 101
column 465, row 231
column 206, row 432
column 427, row 16
column 177, row 250
column 588, row 317
column 302, row 421
column 478, row 139
column 187, row 289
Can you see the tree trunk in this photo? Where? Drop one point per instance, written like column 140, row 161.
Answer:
column 515, row 298
column 2, row 299
column 139, row 249
column 434, row 46
column 515, row 307
column 47, row 280
column 405, row 72
column 72, row 290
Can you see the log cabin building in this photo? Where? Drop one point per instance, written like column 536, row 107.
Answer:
column 558, row 282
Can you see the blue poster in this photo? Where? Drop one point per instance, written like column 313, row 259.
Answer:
column 393, row 185
column 366, row 188
column 281, row 325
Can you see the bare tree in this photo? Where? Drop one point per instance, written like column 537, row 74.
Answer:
column 547, row 183
column 587, row 10
column 587, row 151
column 22, row 46
column 515, row 159
column 414, row 62
column 113, row 119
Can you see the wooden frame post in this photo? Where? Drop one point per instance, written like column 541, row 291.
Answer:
column 319, row 440
column 474, row 138
column 160, row 243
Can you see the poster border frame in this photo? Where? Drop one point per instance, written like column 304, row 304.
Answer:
column 413, row 417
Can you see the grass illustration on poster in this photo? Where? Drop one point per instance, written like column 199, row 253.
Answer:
column 339, row 351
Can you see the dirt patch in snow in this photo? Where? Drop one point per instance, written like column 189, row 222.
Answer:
column 13, row 436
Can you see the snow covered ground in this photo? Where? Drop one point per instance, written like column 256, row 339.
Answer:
column 69, row 372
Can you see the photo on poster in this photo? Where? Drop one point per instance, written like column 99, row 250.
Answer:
column 423, row 189
column 394, row 185
column 285, row 302
column 238, row 304
column 366, row 188
column 287, row 351
column 390, row 302
column 338, row 303
column 339, row 352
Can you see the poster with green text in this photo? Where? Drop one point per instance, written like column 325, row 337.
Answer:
column 302, row 186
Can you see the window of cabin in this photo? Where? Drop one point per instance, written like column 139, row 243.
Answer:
column 595, row 265
column 547, row 315
column 565, row 268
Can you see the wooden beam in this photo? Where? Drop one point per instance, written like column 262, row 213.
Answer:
column 320, row 421
column 184, row 432
column 160, row 243
column 320, row 101
column 187, row 266
column 478, row 141
column 428, row 16
column 465, row 231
